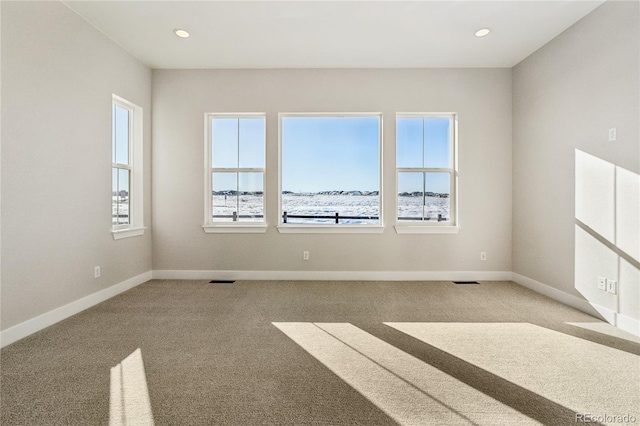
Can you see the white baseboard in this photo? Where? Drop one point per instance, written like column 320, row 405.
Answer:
column 605, row 314
column 628, row 324
column 562, row 297
column 24, row 329
column 334, row 275
column 585, row 306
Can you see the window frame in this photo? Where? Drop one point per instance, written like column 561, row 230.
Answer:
column 451, row 226
column 210, row 226
column 135, row 227
column 300, row 228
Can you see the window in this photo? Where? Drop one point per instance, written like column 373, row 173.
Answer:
column 235, row 173
column 330, row 169
column 126, row 169
column 426, row 175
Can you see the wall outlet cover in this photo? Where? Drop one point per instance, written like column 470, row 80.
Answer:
column 602, row 283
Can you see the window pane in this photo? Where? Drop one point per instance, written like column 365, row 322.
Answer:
column 224, row 140
column 410, row 195
column 331, row 165
column 123, row 196
column 113, row 134
column 437, row 196
column 252, row 139
column 250, row 197
column 409, row 142
column 224, row 196
column 437, row 134
column 114, row 196
column 121, row 134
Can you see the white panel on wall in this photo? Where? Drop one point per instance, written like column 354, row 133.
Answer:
column 595, row 196
column 593, row 260
column 629, row 290
column 628, row 212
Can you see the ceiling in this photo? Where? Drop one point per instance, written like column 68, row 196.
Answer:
column 332, row 34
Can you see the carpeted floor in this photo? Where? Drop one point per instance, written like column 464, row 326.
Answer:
column 320, row 353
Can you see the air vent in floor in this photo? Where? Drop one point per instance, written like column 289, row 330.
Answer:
column 466, row 282
column 221, row 282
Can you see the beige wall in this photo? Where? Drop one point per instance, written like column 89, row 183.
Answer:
column 565, row 98
column 58, row 75
column 481, row 97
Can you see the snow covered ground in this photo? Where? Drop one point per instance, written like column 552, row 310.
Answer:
column 409, row 208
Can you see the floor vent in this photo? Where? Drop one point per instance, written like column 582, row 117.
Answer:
column 466, row 282
column 221, row 282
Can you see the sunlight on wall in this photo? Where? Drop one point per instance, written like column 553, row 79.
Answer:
column 607, row 238
column 595, row 194
column 593, row 260
column 628, row 212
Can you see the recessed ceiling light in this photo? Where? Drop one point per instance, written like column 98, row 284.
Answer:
column 483, row 32
column 181, row 33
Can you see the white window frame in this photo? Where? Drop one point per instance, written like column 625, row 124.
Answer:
column 135, row 227
column 452, row 226
column 288, row 228
column 210, row 226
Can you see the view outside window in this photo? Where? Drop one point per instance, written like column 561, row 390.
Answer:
column 237, row 169
column 121, row 165
column 425, row 168
column 330, row 169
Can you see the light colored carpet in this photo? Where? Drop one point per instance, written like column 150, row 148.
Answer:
column 409, row 390
column 608, row 329
column 129, row 403
column 213, row 357
column 582, row 376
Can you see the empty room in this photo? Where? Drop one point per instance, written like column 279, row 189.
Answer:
column 320, row 212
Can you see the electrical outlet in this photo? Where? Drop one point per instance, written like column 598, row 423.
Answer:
column 612, row 286
column 483, row 255
column 602, row 283
column 613, row 134
column 305, row 255
column 96, row 272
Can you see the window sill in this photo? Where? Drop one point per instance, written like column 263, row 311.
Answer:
column 235, row 229
column 119, row 234
column 330, row 229
column 426, row 229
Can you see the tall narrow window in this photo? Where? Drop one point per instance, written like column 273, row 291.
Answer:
column 330, row 171
column 235, row 171
column 126, row 168
column 121, row 167
column 426, row 175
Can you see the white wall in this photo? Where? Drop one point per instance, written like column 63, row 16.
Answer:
column 481, row 97
column 575, row 194
column 58, row 75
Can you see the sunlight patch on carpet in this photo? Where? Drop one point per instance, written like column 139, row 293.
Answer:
column 407, row 389
column 583, row 376
column 606, row 328
column 129, row 402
